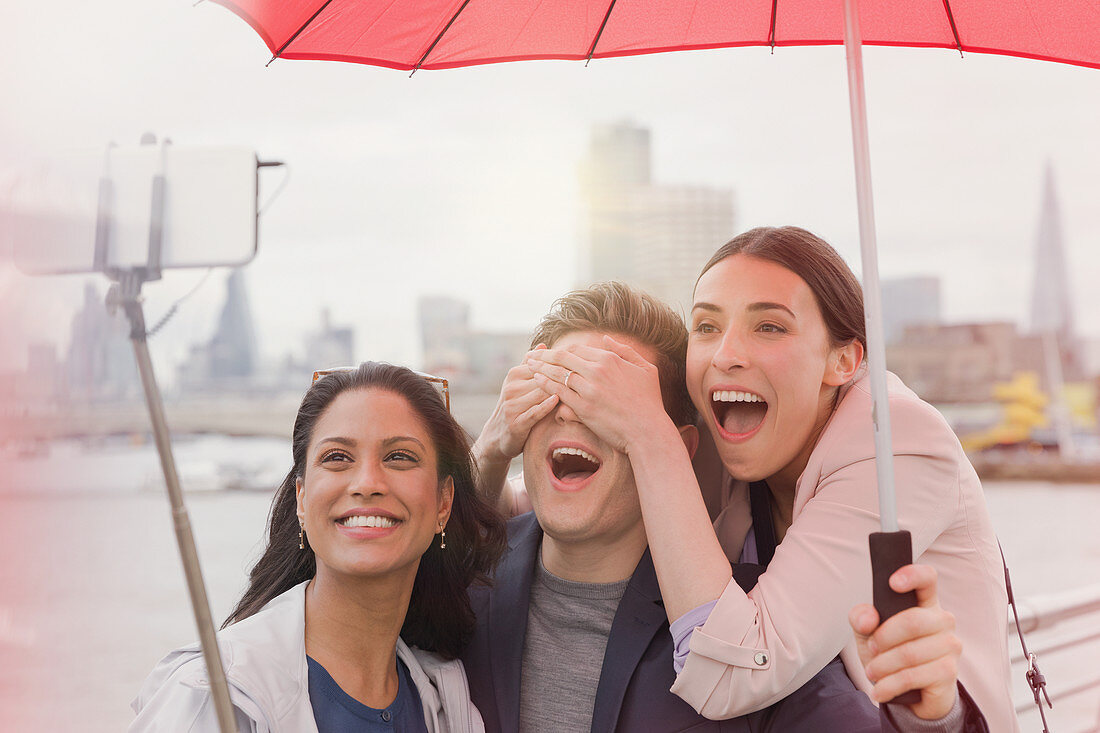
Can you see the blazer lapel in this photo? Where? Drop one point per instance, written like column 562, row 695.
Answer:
column 508, row 620
column 641, row 615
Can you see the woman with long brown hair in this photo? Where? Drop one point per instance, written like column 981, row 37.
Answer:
column 775, row 366
column 355, row 613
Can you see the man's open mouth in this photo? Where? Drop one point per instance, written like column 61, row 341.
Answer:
column 573, row 465
column 738, row 413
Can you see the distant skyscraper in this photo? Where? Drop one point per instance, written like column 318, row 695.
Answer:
column 654, row 236
column 230, row 358
column 678, row 229
column 474, row 361
column 100, row 363
column 618, row 155
column 614, row 178
column 444, row 325
column 1052, row 315
column 909, row 301
column 233, row 348
column 490, row 356
column 1051, row 301
column 1051, row 296
column 330, row 346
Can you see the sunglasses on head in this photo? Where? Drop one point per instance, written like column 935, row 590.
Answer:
column 440, row 384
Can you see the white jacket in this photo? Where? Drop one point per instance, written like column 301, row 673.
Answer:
column 265, row 661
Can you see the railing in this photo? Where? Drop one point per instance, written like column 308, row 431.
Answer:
column 1062, row 632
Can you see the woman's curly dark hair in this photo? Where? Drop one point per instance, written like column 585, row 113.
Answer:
column 439, row 618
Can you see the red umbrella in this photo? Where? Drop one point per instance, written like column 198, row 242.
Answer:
column 441, row 34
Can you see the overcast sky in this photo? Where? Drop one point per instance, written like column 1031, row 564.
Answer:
column 465, row 181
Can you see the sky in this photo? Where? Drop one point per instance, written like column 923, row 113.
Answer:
column 464, row 182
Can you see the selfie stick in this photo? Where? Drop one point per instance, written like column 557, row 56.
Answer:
column 127, row 293
column 891, row 548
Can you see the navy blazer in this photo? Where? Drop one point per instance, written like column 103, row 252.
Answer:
column 632, row 693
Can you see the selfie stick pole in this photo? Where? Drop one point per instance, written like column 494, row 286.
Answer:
column 891, row 548
column 127, row 293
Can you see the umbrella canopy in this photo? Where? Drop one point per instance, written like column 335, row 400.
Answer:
column 440, row 34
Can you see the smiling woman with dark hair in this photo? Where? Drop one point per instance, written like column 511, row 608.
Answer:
column 358, row 607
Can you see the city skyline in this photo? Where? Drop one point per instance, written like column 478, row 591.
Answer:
column 911, row 299
column 465, row 183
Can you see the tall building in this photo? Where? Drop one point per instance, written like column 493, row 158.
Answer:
column 444, row 326
column 654, row 236
column 618, row 155
column 233, row 348
column 1051, row 300
column 331, row 346
column 909, row 301
column 326, row 347
column 680, row 228
column 100, row 364
column 230, row 358
column 1051, row 296
column 489, row 357
column 615, row 177
column 474, row 361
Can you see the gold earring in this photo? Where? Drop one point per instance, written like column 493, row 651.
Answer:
column 442, row 537
column 301, row 535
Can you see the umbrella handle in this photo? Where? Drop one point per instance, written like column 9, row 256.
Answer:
column 889, row 552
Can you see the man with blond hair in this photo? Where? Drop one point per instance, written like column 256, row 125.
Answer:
column 573, row 635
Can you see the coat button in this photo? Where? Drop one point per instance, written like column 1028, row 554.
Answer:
column 760, row 658
column 386, row 716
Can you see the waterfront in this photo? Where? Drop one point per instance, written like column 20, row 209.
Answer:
column 93, row 593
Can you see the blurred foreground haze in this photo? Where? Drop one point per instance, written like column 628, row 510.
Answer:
column 464, row 185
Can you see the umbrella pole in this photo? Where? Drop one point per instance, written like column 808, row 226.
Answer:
column 891, row 548
column 868, row 247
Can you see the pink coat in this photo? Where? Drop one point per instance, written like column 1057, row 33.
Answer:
column 798, row 613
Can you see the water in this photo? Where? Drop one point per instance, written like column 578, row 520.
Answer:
column 93, row 593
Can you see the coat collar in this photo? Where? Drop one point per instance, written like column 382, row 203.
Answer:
column 641, row 615
column 265, row 660
column 511, row 600
column 265, row 654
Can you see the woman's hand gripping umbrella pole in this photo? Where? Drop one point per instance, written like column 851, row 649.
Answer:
column 892, row 548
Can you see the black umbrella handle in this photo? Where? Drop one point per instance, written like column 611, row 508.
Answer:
column 889, row 552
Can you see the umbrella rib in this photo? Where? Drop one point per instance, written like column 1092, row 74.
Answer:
column 592, row 48
column 298, row 32
column 954, row 30
column 771, row 31
column 445, row 29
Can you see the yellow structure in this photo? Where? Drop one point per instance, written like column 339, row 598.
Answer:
column 1023, row 410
